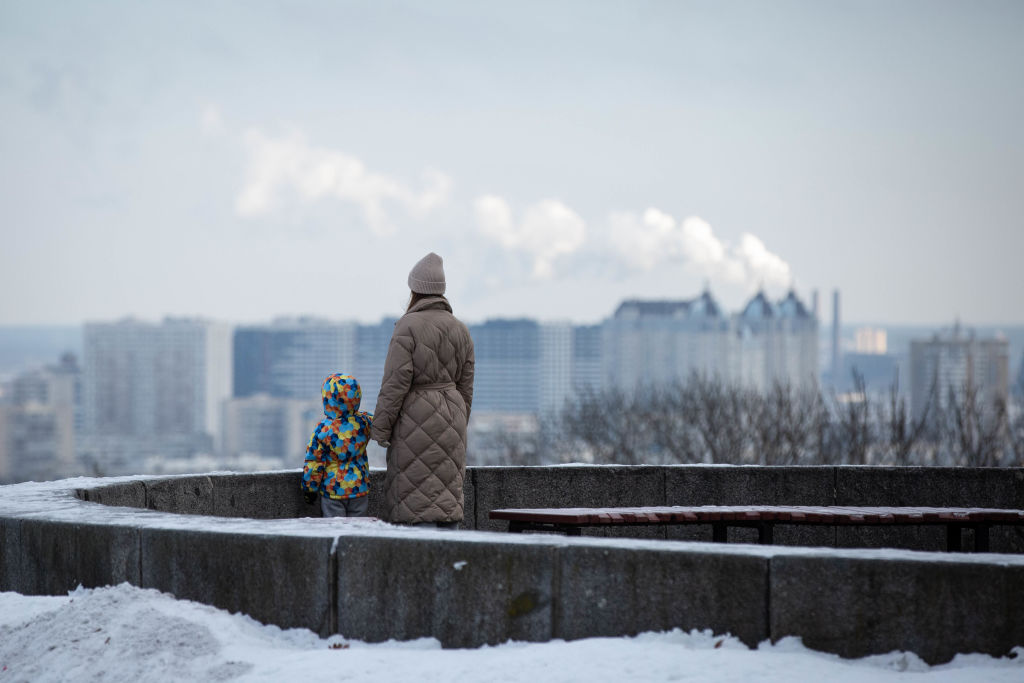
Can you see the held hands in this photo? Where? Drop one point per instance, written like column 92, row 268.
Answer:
column 309, row 497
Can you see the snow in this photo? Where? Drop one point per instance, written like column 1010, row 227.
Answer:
column 124, row 633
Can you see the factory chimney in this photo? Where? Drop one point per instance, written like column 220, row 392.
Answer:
column 836, row 359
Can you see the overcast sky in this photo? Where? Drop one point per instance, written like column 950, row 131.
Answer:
column 245, row 160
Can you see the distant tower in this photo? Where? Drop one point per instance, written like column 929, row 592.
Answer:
column 814, row 304
column 836, row 359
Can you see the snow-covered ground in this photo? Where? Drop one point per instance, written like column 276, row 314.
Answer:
column 124, row 633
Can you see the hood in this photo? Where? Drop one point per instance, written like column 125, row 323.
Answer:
column 341, row 395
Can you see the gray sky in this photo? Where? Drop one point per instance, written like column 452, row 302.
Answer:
column 247, row 160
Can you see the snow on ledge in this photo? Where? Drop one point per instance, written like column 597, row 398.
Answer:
column 56, row 501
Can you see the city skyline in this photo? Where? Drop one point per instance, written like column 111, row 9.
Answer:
column 292, row 159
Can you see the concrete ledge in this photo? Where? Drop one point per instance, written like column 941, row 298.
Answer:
column 276, row 579
column 274, row 495
column 465, row 594
column 929, row 486
column 924, row 537
column 620, row 591
column 10, row 546
column 52, row 558
column 126, row 494
column 184, row 495
column 856, row 607
column 375, row 581
column 932, row 486
column 730, row 485
column 536, row 487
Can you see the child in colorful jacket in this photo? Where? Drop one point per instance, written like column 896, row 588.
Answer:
column 335, row 464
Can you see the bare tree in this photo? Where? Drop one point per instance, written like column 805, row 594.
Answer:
column 707, row 420
column 674, row 439
column 900, row 433
column 976, row 429
column 515, row 448
column 851, row 435
column 612, row 426
column 720, row 417
column 764, row 417
column 1015, row 435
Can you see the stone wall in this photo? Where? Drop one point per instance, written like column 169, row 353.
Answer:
column 374, row 581
column 275, row 496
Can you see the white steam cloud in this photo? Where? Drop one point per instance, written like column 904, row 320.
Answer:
column 648, row 241
column 548, row 230
column 290, row 169
column 211, row 121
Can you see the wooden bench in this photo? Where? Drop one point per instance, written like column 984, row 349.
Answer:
column 571, row 521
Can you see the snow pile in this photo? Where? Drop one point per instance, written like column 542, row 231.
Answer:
column 124, row 633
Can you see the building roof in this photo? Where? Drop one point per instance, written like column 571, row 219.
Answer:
column 792, row 307
column 759, row 308
column 704, row 305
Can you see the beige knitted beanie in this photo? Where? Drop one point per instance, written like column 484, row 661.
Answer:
column 427, row 276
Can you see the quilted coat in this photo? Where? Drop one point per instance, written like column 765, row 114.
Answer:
column 422, row 411
column 335, row 463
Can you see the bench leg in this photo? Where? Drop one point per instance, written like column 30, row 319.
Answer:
column 765, row 533
column 953, row 540
column 516, row 527
column 719, row 532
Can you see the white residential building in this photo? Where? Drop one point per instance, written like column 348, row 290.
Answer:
column 37, row 424
column 950, row 364
column 647, row 343
column 152, row 389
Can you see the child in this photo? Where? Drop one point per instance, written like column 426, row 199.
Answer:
column 336, row 465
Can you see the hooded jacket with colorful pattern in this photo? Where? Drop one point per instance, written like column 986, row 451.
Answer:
column 336, row 463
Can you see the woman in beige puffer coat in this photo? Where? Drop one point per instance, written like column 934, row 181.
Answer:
column 423, row 405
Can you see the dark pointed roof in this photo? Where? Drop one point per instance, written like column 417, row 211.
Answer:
column 792, row 307
column 705, row 305
column 759, row 308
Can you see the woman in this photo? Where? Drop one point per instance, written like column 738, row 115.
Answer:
column 423, row 405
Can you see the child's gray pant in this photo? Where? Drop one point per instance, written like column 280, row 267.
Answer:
column 344, row 507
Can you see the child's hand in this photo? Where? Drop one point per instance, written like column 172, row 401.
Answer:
column 309, row 497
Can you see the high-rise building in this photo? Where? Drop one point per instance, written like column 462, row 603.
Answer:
column 507, row 375
column 556, row 366
column 948, row 365
column 271, row 428
column 796, row 362
column 291, row 357
column 837, row 359
column 37, row 424
column 870, row 340
column 371, row 352
column 152, row 390
column 647, row 343
column 587, row 355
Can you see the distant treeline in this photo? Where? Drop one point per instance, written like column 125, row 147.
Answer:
column 704, row 420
